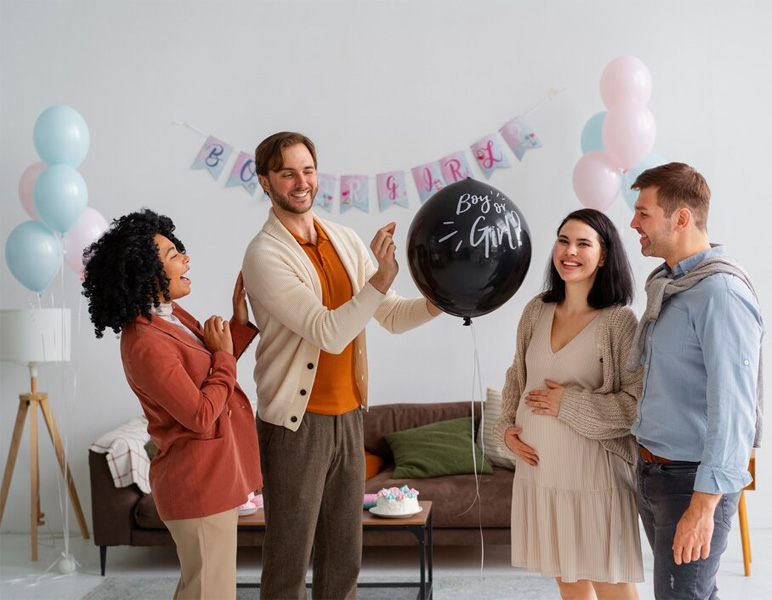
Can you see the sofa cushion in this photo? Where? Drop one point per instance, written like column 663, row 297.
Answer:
column 146, row 514
column 384, row 419
column 151, row 449
column 453, row 495
column 373, row 464
column 501, row 457
column 443, row 448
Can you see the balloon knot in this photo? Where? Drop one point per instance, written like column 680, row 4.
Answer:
column 467, row 321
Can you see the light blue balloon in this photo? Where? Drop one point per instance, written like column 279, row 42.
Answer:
column 592, row 134
column 628, row 178
column 34, row 255
column 61, row 196
column 61, row 136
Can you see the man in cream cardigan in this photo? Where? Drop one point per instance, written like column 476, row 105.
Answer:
column 313, row 289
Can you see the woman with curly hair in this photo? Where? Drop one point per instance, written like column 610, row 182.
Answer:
column 185, row 378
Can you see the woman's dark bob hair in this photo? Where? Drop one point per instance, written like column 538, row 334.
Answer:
column 123, row 275
column 614, row 280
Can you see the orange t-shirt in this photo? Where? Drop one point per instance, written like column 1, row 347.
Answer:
column 335, row 390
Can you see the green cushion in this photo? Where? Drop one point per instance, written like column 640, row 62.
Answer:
column 443, row 448
column 151, row 449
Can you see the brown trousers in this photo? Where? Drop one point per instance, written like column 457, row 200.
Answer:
column 206, row 548
column 313, row 486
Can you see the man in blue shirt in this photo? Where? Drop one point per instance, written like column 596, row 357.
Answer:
column 700, row 344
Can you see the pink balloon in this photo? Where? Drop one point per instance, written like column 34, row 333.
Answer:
column 628, row 133
column 596, row 180
column 625, row 79
column 87, row 229
column 27, row 188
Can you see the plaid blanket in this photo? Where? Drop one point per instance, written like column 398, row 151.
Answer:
column 126, row 454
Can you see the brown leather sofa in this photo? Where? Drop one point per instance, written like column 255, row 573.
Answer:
column 127, row 517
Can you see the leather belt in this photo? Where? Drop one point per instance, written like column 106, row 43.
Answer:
column 651, row 458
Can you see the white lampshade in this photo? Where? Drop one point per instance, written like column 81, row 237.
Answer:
column 35, row 335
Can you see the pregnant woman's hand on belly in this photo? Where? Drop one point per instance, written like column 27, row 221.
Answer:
column 546, row 402
column 523, row 450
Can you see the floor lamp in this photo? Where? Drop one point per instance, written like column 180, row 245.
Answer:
column 30, row 337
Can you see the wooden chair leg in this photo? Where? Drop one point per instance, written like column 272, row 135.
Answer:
column 745, row 535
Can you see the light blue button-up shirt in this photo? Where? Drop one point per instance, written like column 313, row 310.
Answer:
column 701, row 364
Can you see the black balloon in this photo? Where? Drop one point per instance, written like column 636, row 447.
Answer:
column 468, row 249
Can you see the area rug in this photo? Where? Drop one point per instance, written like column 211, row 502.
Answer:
column 495, row 586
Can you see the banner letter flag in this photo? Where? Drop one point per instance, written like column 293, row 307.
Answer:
column 519, row 136
column 243, row 173
column 354, row 191
column 489, row 154
column 392, row 189
column 428, row 179
column 455, row 167
column 325, row 194
column 212, row 156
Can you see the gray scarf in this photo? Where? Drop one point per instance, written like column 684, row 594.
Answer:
column 660, row 287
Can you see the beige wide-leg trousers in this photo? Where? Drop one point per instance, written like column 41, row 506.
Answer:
column 206, row 548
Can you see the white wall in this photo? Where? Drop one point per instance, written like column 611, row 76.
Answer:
column 378, row 85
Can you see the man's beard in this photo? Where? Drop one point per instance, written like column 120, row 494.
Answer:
column 285, row 201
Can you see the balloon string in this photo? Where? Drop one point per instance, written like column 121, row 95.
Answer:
column 477, row 392
column 64, row 437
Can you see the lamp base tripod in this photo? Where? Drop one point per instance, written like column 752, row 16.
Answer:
column 29, row 405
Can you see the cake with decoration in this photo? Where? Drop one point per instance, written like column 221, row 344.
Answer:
column 397, row 501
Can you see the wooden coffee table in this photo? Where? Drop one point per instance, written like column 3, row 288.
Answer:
column 419, row 525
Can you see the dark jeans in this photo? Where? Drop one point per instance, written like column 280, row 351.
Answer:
column 313, row 485
column 664, row 493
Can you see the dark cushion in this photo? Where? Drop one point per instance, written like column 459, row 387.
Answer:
column 146, row 514
column 381, row 420
column 151, row 449
column 444, row 448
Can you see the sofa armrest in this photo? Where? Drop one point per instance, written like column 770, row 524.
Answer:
column 112, row 508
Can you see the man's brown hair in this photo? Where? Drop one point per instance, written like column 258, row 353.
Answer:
column 268, row 155
column 678, row 185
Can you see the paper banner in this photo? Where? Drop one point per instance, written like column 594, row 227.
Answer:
column 212, row 156
column 392, row 189
column 519, row 136
column 455, row 167
column 326, row 192
column 428, row 179
column 489, row 155
column 354, row 191
column 243, row 174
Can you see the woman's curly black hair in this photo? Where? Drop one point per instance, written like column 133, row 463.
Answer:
column 123, row 274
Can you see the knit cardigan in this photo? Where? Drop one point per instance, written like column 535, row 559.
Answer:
column 606, row 413
column 286, row 298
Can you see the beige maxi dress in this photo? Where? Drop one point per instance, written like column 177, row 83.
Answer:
column 574, row 515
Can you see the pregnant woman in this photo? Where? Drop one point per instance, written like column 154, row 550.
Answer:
column 568, row 404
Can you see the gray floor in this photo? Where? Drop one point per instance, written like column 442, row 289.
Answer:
column 22, row 579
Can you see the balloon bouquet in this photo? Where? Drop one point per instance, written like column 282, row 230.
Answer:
column 55, row 196
column 617, row 143
column 468, row 249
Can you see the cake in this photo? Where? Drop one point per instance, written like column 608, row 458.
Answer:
column 397, row 501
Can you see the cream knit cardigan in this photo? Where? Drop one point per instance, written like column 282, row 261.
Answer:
column 605, row 414
column 286, row 298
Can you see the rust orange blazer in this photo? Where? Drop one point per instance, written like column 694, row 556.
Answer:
column 208, row 459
